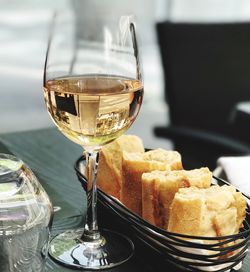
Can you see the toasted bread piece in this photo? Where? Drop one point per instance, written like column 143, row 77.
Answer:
column 135, row 164
column 171, row 158
column 214, row 211
column 110, row 163
column 159, row 189
column 150, row 196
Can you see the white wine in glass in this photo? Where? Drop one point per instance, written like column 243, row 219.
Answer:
column 93, row 91
column 93, row 110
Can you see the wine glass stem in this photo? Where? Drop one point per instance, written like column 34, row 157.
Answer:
column 91, row 232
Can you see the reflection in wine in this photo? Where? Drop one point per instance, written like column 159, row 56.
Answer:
column 93, row 110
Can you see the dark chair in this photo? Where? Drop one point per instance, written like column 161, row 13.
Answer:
column 207, row 72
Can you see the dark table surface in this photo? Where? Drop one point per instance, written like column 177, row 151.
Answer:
column 51, row 156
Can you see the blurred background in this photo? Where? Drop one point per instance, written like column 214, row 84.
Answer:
column 24, row 29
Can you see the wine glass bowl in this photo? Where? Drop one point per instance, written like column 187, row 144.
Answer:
column 93, row 110
column 93, row 91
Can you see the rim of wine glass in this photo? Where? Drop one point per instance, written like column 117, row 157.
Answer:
column 115, row 47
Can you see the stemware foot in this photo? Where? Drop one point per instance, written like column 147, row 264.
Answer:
column 113, row 249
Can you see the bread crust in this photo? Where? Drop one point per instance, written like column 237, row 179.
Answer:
column 150, row 200
column 214, row 211
column 132, row 169
column 109, row 173
column 159, row 189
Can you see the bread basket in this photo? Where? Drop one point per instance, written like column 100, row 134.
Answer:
column 192, row 253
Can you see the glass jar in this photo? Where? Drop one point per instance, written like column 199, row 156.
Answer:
column 25, row 218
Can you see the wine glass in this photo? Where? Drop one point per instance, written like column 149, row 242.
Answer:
column 93, row 91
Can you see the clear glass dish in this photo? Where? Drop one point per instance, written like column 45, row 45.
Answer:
column 25, row 218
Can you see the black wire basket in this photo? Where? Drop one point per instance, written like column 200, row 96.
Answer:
column 194, row 253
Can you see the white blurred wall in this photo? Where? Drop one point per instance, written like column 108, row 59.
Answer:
column 23, row 40
column 209, row 10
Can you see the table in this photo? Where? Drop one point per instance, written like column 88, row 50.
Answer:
column 51, row 156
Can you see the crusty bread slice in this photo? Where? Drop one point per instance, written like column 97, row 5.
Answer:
column 109, row 173
column 135, row 164
column 169, row 157
column 159, row 189
column 214, row 211
column 150, row 196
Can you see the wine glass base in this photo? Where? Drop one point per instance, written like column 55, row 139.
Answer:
column 67, row 249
